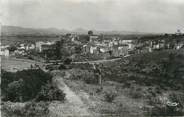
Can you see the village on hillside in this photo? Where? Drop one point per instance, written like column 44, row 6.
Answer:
column 92, row 58
column 96, row 46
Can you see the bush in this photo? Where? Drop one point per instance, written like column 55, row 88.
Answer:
column 6, row 78
column 136, row 93
column 33, row 109
column 61, row 67
column 23, row 85
column 67, row 61
column 14, row 90
column 160, row 110
column 99, row 90
column 178, row 98
column 166, row 108
column 85, row 75
column 12, row 48
column 109, row 96
column 90, row 80
column 50, row 92
column 30, row 109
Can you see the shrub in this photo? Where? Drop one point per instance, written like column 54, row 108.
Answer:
column 136, row 94
column 12, row 48
column 34, row 109
column 23, row 85
column 30, row 109
column 67, row 61
column 150, row 69
column 85, row 75
column 98, row 90
column 109, row 96
column 14, row 91
column 161, row 108
column 6, row 78
column 61, row 67
column 50, row 92
column 90, row 80
column 178, row 98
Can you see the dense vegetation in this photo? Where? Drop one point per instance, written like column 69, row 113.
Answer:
column 157, row 78
column 31, row 84
column 152, row 75
column 29, row 109
column 164, row 69
column 84, row 75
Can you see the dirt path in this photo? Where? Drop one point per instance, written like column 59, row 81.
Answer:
column 97, row 61
column 73, row 106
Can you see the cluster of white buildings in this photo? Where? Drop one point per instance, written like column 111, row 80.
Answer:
column 4, row 50
column 40, row 46
column 114, row 46
column 111, row 46
column 119, row 47
column 159, row 44
column 22, row 48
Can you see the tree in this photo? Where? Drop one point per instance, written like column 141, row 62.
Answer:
column 98, row 73
column 50, row 92
column 14, row 91
column 78, row 49
column 90, row 32
column 12, row 48
column 58, row 49
column 67, row 61
column 23, row 85
column 62, row 50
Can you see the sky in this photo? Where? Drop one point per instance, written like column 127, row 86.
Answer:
column 126, row 15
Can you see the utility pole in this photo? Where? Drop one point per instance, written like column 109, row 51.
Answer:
column 98, row 73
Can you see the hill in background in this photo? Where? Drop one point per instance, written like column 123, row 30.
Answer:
column 16, row 30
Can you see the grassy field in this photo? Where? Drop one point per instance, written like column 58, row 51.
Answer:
column 95, row 98
column 11, row 40
column 14, row 64
column 141, row 85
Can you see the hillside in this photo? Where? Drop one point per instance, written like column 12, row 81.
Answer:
column 16, row 30
column 149, row 84
column 163, row 69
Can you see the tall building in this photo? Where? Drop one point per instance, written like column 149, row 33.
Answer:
column 91, row 36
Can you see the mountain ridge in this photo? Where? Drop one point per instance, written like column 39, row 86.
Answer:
column 17, row 30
